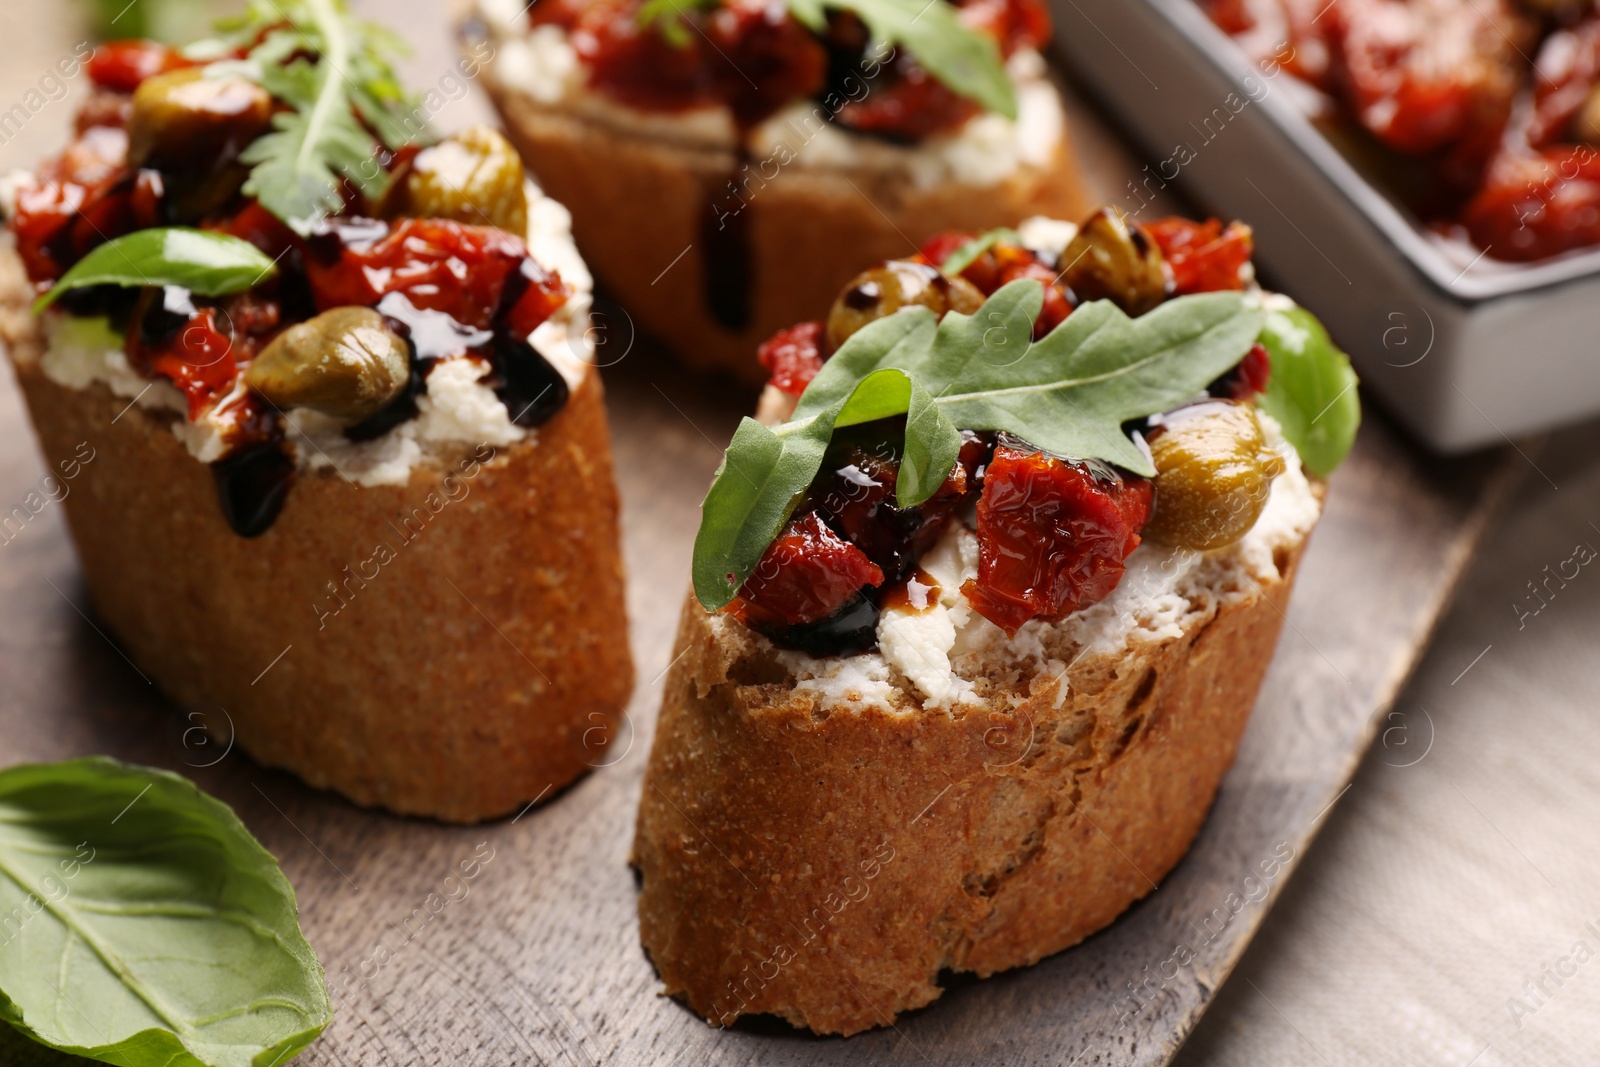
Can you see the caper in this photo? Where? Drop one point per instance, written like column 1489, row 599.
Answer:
column 883, row 290
column 192, row 129
column 184, row 117
column 345, row 363
column 474, row 176
column 1110, row 260
column 1214, row 471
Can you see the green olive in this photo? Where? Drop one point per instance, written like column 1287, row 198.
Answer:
column 1214, row 472
column 345, row 363
column 184, row 119
column 474, row 176
column 883, row 290
column 1110, row 260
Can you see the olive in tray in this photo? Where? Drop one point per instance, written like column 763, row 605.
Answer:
column 982, row 600
column 345, row 470
column 730, row 163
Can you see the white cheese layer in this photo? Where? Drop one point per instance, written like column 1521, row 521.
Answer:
column 936, row 654
column 457, row 408
column 541, row 62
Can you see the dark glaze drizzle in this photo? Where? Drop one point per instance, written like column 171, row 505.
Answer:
column 725, row 253
column 252, row 485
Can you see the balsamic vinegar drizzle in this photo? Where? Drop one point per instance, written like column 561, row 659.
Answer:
column 252, row 485
column 725, row 245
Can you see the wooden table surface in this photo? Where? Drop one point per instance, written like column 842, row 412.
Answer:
column 540, row 964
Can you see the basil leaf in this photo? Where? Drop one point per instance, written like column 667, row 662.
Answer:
column 142, row 925
column 762, row 478
column 963, row 255
column 1068, row 393
column 966, row 61
column 1312, row 389
column 210, row 264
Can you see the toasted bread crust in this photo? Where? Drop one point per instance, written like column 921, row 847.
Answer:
column 824, row 865
column 639, row 204
column 484, row 663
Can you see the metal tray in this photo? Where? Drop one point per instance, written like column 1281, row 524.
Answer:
column 1465, row 351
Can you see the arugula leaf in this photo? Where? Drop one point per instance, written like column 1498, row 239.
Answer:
column 142, row 925
column 965, row 253
column 298, row 166
column 1068, row 393
column 1312, row 389
column 966, row 61
column 211, row 264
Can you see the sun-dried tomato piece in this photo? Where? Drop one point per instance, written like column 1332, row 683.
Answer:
column 121, row 65
column 1538, row 204
column 808, row 573
column 475, row 274
column 1422, row 74
column 746, row 54
column 908, row 104
column 1052, row 534
column 1566, row 70
column 793, row 357
column 199, row 360
column 1248, row 380
column 1004, row 262
column 1205, row 257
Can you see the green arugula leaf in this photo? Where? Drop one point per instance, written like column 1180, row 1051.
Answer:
column 211, row 264
column 297, row 167
column 142, row 925
column 1068, row 393
column 1312, row 390
column 965, row 253
column 966, row 61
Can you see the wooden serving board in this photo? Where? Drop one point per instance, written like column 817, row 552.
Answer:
column 537, row 961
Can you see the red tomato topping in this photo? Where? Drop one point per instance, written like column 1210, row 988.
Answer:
column 793, row 356
column 441, row 265
column 81, row 199
column 1052, row 535
column 1249, row 379
column 1565, row 72
column 121, row 65
column 913, row 106
column 808, row 573
column 1422, row 74
column 1538, row 204
column 1204, row 257
column 752, row 56
column 1001, row 263
column 200, row 361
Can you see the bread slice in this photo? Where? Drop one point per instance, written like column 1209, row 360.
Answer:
column 818, row 842
column 638, row 203
column 479, row 663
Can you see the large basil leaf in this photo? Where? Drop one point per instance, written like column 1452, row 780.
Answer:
column 211, row 264
column 1312, row 390
column 142, row 925
column 1068, row 393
